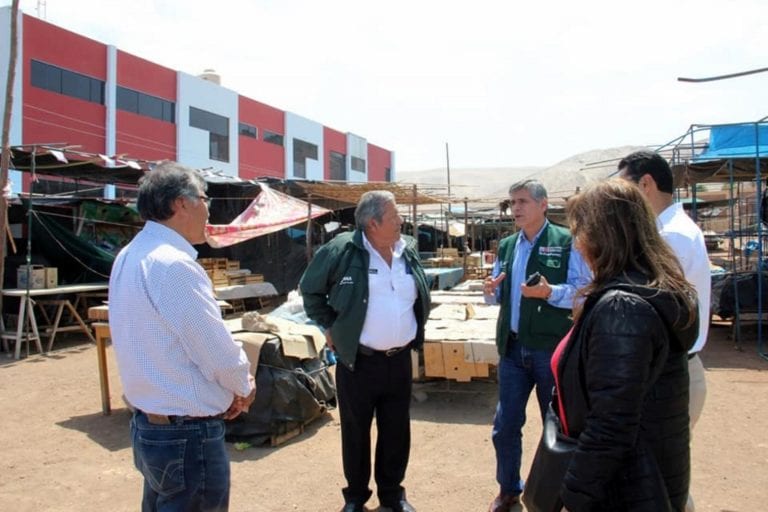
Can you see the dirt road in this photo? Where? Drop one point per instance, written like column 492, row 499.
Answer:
column 60, row 454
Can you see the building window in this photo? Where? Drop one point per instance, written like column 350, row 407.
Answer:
column 357, row 164
column 388, row 174
column 218, row 129
column 145, row 105
column 337, row 164
column 302, row 151
column 248, row 130
column 63, row 81
column 273, row 138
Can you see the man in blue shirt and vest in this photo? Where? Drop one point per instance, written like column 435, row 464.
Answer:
column 533, row 318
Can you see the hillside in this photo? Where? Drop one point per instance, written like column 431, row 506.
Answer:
column 476, row 184
column 490, row 184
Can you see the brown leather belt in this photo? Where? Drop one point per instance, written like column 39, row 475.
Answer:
column 368, row 351
column 162, row 419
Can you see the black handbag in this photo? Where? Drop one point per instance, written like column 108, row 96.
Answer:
column 553, row 455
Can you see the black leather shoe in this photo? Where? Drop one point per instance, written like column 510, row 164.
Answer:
column 402, row 506
column 503, row 503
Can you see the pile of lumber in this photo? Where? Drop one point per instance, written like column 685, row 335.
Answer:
column 226, row 272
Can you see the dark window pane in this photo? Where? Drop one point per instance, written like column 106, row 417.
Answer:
column 53, row 79
column 150, row 106
column 41, row 78
column 67, row 82
column 388, row 174
column 209, row 121
column 337, row 166
column 97, row 91
column 273, row 138
column 357, row 164
column 302, row 150
column 247, row 130
column 169, row 111
column 76, row 85
column 127, row 100
column 219, row 147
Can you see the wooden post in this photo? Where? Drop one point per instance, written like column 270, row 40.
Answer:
column 308, row 234
column 5, row 147
column 466, row 234
column 415, row 222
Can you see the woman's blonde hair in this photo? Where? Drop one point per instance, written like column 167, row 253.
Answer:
column 616, row 231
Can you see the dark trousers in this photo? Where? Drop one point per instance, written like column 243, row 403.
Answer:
column 378, row 385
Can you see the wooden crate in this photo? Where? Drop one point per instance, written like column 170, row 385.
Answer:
column 448, row 360
column 447, row 252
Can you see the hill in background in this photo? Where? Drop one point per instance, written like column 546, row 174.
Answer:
column 488, row 185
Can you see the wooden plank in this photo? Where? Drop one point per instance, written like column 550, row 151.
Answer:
column 455, row 365
column 481, row 370
column 415, row 367
column 433, row 360
column 277, row 440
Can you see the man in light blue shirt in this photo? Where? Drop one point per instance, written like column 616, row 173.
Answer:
column 178, row 363
column 533, row 318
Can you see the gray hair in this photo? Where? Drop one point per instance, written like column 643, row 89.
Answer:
column 534, row 187
column 371, row 207
column 162, row 185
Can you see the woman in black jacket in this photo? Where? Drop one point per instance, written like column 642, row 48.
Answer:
column 622, row 374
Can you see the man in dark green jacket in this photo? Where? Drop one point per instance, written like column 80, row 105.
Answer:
column 532, row 320
column 368, row 291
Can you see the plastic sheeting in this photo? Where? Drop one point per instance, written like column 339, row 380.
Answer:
column 271, row 211
column 290, row 392
column 747, row 140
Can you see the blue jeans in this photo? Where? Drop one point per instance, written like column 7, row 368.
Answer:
column 519, row 370
column 185, row 465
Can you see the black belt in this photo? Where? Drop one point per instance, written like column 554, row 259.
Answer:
column 691, row 356
column 162, row 419
column 368, row 351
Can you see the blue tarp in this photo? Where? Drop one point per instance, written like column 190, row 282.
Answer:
column 748, row 140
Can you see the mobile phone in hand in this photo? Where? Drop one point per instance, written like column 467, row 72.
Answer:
column 533, row 279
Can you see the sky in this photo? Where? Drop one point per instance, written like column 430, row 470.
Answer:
column 503, row 83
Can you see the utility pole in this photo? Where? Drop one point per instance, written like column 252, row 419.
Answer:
column 448, row 214
column 5, row 149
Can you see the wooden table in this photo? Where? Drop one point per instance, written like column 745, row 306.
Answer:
column 100, row 317
column 27, row 312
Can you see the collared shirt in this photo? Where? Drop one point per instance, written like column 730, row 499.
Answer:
column 174, row 353
column 687, row 242
column 562, row 296
column 390, row 321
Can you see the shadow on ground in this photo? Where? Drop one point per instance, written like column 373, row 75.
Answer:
column 112, row 432
column 445, row 401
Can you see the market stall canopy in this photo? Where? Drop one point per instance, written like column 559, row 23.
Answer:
column 76, row 165
column 736, row 149
column 350, row 192
column 271, row 211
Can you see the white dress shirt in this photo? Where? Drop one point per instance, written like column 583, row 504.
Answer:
column 390, row 321
column 687, row 242
column 174, row 353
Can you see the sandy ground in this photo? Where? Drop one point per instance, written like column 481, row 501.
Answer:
column 60, row 453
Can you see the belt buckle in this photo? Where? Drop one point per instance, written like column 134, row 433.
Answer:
column 392, row 351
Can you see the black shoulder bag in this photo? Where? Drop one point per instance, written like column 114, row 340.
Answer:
column 553, row 455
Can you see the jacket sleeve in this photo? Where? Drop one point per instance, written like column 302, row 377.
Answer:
column 316, row 284
column 621, row 347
